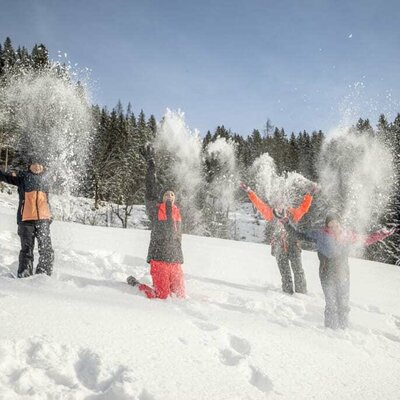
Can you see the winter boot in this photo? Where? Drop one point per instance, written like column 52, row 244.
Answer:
column 132, row 281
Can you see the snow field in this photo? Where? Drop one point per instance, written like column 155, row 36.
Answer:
column 85, row 334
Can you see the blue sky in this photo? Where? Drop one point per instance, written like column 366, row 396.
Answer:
column 302, row 64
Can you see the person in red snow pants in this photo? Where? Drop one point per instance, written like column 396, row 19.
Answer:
column 165, row 250
column 167, row 279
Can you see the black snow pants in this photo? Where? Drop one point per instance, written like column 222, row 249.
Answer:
column 335, row 281
column 28, row 231
column 289, row 261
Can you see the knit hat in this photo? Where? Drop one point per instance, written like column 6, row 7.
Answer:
column 36, row 160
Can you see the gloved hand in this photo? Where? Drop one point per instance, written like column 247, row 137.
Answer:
column 281, row 215
column 315, row 189
column 390, row 231
column 244, row 187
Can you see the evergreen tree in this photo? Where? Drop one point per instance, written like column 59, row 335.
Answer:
column 255, row 144
column 305, row 155
column 293, row 154
column 363, row 127
column 222, row 132
column 317, row 139
column 278, row 149
column 8, row 56
column 383, row 130
column 207, row 139
column 269, row 128
column 388, row 250
column 24, row 60
column 40, row 57
column 1, row 61
column 152, row 125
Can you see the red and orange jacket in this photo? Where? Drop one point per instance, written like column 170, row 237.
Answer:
column 296, row 214
column 166, row 223
column 166, row 233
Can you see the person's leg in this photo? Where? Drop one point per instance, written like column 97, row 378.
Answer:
column 26, row 232
column 286, row 274
column 344, row 297
column 46, row 253
column 300, row 284
column 160, row 272
column 331, row 306
column 147, row 290
column 177, row 280
column 326, row 275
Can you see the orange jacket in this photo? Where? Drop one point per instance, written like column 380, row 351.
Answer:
column 35, row 206
column 279, row 240
column 33, row 195
column 267, row 212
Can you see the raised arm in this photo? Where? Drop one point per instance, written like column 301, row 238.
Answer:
column 265, row 210
column 377, row 236
column 298, row 213
column 152, row 185
column 151, row 182
column 10, row 178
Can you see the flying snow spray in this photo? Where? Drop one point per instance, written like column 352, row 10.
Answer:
column 179, row 149
column 224, row 184
column 53, row 121
column 356, row 175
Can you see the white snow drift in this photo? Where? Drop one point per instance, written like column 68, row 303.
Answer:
column 85, row 334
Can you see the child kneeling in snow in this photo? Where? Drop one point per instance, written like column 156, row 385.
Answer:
column 333, row 245
column 165, row 250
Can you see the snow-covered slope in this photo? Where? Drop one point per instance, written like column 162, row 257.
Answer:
column 85, row 334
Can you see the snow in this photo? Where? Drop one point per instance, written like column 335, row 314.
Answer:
column 85, row 334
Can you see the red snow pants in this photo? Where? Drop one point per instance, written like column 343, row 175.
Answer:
column 167, row 279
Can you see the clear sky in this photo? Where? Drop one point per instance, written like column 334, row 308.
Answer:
column 302, row 64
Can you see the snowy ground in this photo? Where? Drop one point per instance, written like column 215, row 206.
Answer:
column 85, row 334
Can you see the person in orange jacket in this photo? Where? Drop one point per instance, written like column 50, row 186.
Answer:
column 285, row 247
column 33, row 217
column 165, row 250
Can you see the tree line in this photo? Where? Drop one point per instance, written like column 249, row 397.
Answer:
column 115, row 170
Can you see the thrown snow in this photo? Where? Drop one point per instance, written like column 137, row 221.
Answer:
column 85, row 334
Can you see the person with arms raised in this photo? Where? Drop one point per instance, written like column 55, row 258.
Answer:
column 334, row 244
column 165, row 250
column 285, row 247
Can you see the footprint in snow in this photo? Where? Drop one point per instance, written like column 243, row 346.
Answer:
column 88, row 369
column 229, row 358
column 260, row 380
column 119, row 383
column 205, row 326
column 240, row 348
column 200, row 320
column 195, row 314
column 37, row 366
